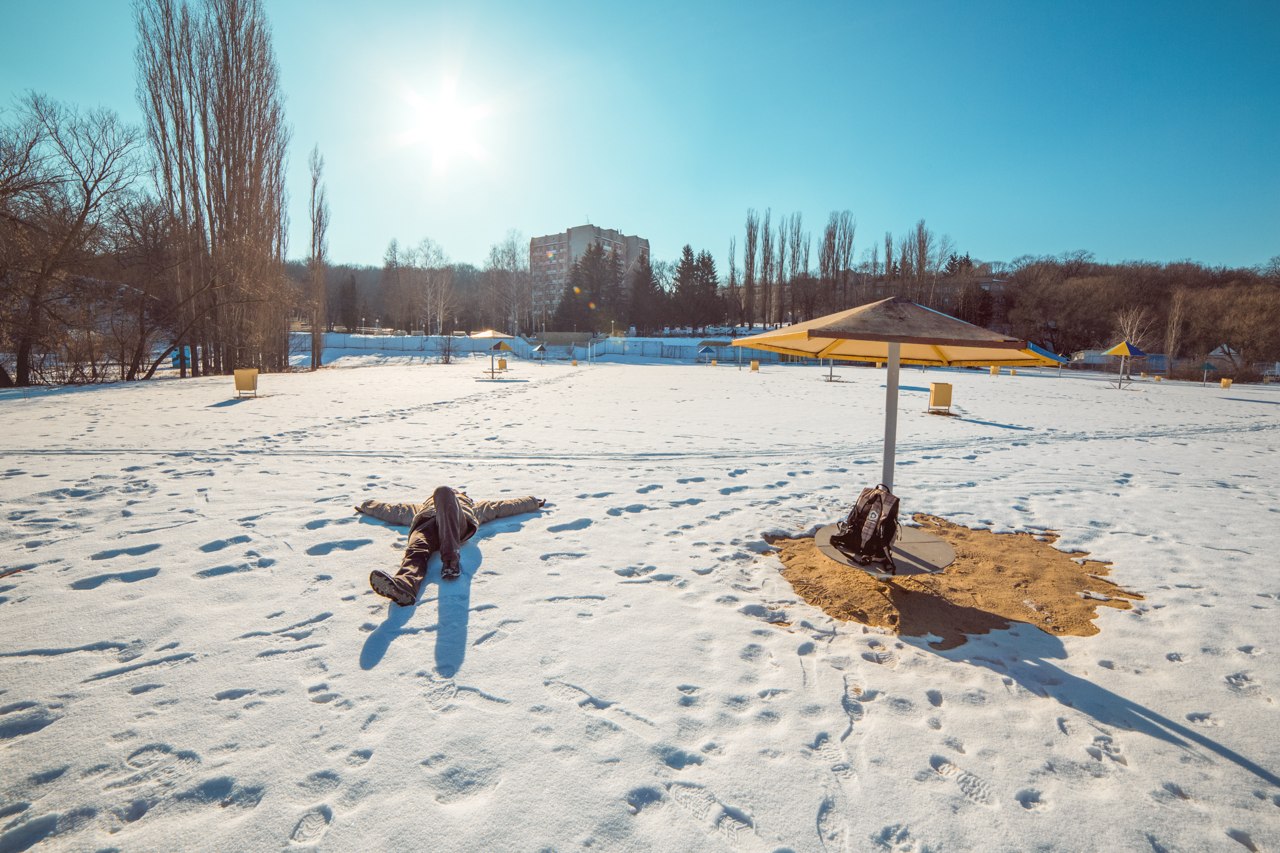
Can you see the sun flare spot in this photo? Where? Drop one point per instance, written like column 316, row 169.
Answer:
column 447, row 127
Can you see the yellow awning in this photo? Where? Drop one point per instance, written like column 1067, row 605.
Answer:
column 924, row 336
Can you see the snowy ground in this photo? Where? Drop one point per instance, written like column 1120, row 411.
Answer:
column 190, row 656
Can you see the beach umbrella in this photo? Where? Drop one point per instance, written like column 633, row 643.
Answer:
column 1124, row 350
column 1206, row 367
column 897, row 331
column 500, row 346
column 541, row 350
column 705, row 350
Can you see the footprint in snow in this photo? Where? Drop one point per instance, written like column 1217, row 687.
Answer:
column 325, row 548
column 895, row 838
column 1106, row 747
column 579, row 524
column 833, row 830
column 974, row 788
column 456, row 778
column 24, row 718
column 629, row 508
column 116, row 577
column 312, row 826
column 731, row 824
column 136, row 551
column 320, row 783
column 640, row 799
column 831, row 755
column 219, row 544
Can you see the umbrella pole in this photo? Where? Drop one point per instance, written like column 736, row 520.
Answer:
column 890, row 416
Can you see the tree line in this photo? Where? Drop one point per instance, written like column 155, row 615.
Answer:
column 418, row 289
column 121, row 247
column 1065, row 303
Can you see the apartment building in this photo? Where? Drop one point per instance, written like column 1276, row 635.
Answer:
column 552, row 257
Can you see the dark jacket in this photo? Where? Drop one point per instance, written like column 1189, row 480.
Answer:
column 474, row 513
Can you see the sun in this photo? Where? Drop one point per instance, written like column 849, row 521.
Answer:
column 446, row 127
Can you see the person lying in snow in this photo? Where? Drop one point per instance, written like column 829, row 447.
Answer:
column 443, row 523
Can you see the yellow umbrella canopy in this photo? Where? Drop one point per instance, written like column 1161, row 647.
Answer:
column 896, row 331
column 501, row 346
column 1125, row 348
column 490, row 334
column 924, row 336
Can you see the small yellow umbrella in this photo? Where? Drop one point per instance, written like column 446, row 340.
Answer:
column 1124, row 350
column 500, row 346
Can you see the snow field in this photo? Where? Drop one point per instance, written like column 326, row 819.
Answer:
column 192, row 657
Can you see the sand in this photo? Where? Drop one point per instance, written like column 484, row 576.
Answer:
column 996, row 579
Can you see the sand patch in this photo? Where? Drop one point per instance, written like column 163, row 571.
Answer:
column 996, row 579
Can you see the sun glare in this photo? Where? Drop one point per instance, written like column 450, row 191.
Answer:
column 445, row 127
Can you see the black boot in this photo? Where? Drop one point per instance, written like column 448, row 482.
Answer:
column 450, row 567
column 395, row 588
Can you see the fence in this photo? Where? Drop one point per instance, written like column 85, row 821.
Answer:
column 677, row 349
column 425, row 345
column 431, row 346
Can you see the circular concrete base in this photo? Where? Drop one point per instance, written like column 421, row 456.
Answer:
column 916, row 552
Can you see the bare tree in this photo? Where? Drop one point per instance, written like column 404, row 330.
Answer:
column 1173, row 326
column 888, row 255
column 846, row 227
column 799, row 246
column 907, row 265
column 922, row 245
column 209, row 89
column 766, row 270
column 828, row 259
column 64, row 174
column 780, row 291
column 749, row 269
column 144, row 312
column 319, row 229
column 508, row 285
column 735, row 299
column 1134, row 324
column 437, row 284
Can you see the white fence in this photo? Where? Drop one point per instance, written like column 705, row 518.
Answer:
column 432, row 346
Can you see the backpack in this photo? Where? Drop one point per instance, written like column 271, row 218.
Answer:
column 870, row 529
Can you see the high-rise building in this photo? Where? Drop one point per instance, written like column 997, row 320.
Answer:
column 553, row 256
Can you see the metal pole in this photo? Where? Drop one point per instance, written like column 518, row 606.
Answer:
column 890, row 415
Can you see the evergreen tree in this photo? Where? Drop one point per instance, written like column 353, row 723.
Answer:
column 573, row 313
column 347, row 303
column 685, row 295
column 613, row 298
column 646, row 302
column 707, row 287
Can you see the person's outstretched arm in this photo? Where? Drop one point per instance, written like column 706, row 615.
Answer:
column 489, row 510
column 399, row 514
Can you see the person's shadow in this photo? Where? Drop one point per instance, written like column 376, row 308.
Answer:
column 453, row 607
column 1023, row 653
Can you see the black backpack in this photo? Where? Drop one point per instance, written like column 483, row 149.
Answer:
column 867, row 535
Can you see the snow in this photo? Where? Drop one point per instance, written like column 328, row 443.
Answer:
column 191, row 657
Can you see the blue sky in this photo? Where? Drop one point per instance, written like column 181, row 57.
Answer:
column 1134, row 130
